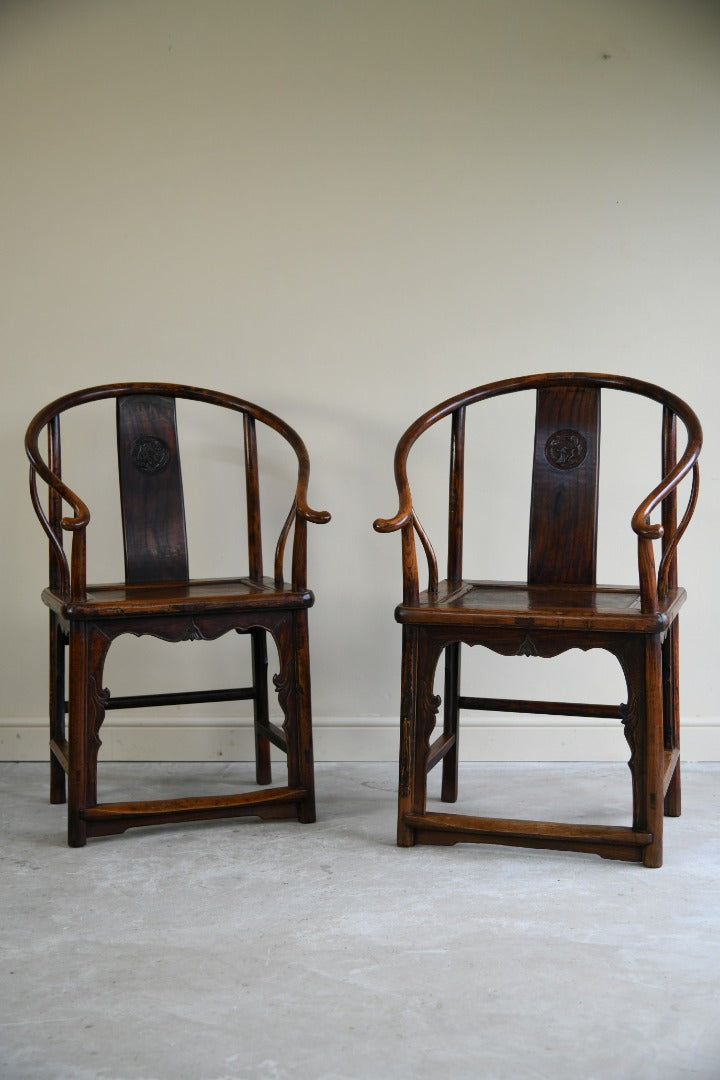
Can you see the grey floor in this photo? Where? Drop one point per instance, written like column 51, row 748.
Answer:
column 322, row 952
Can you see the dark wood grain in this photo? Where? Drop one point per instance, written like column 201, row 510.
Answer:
column 252, row 490
column 509, row 603
column 199, row 595
column 113, row 818
column 564, row 499
column 559, row 607
column 669, row 506
column 151, row 491
column 457, row 497
column 55, row 503
column 261, row 711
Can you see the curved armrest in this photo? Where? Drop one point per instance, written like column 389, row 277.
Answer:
column 389, row 525
column 640, row 519
column 300, row 504
column 653, row 587
column 404, row 515
column 300, row 513
column 70, row 580
column 42, row 469
column 640, row 523
column 317, row 517
column 406, row 519
column 82, row 514
column 650, row 587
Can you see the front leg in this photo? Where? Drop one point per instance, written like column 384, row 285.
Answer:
column 57, row 707
column 408, row 795
column 293, row 690
column 263, row 767
column 654, row 757
column 451, row 725
column 418, row 711
column 641, row 661
column 671, row 714
column 87, row 703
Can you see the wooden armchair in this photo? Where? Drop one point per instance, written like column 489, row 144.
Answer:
column 559, row 607
column 159, row 598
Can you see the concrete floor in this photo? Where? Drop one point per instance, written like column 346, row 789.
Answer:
column 322, row 952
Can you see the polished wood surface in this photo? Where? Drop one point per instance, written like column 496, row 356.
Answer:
column 564, row 501
column 511, row 603
column 198, row 596
column 559, row 607
column 151, row 491
column 157, row 598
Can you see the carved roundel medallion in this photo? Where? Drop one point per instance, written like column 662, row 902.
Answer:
column 566, row 449
column 149, row 454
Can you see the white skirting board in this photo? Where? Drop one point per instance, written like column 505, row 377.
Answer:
column 492, row 737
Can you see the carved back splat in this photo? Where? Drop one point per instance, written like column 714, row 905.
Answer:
column 151, row 492
column 564, row 503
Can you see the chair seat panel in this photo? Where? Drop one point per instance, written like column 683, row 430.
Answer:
column 513, row 603
column 211, row 595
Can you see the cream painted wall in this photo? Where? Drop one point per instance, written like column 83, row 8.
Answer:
column 348, row 211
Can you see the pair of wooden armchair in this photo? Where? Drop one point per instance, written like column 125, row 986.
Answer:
column 560, row 606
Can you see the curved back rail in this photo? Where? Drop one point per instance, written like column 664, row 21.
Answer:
column 653, row 585
column 69, row 579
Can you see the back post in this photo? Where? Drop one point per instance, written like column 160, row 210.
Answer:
column 669, row 506
column 55, row 500
column 671, row 645
column 456, row 498
column 252, row 488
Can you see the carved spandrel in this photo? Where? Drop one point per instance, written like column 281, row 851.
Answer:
column 631, row 660
column 99, row 700
column 427, row 701
column 428, row 707
column 96, row 702
column 284, row 680
column 283, row 688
